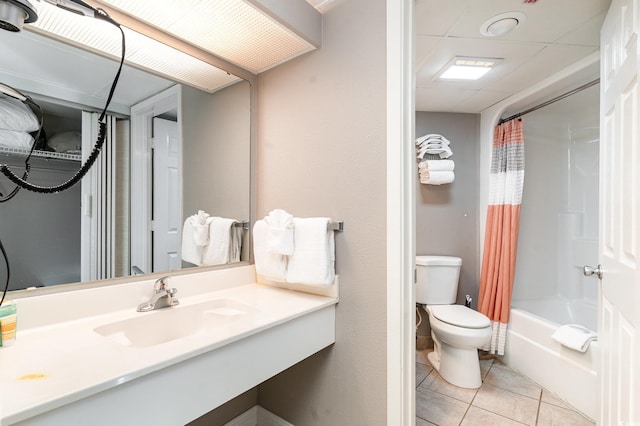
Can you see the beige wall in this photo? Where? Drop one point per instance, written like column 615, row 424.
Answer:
column 216, row 151
column 322, row 152
column 216, row 154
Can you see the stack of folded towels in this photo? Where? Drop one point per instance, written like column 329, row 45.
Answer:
column 433, row 144
column 432, row 149
column 436, row 172
column 210, row 240
column 294, row 250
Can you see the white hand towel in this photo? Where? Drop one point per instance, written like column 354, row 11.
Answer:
column 217, row 252
column 574, row 336
column 190, row 251
column 313, row 261
column 280, row 237
column 437, row 165
column 201, row 228
column 268, row 265
column 437, row 178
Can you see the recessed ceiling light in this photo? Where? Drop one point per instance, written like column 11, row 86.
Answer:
column 466, row 68
column 502, row 24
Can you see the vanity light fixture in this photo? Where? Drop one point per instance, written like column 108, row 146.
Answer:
column 142, row 51
column 467, row 68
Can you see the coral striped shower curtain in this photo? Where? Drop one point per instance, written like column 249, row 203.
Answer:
column 501, row 234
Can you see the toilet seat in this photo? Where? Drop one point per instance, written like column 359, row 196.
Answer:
column 460, row 316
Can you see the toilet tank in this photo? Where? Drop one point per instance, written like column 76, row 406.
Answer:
column 437, row 279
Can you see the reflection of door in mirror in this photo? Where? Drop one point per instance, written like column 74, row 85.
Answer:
column 167, row 195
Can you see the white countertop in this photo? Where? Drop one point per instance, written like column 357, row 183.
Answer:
column 51, row 366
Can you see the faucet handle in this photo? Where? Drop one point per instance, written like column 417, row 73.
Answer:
column 161, row 283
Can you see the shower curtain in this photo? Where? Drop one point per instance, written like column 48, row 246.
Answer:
column 501, row 234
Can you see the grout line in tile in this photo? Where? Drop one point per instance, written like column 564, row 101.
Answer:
column 539, row 406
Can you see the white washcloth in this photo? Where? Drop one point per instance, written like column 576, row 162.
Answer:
column 574, row 336
column 217, row 252
column 280, row 236
column 437, row 165
column 313, row 261
column 268, row 265
column 201, row 228
column 437, row 177
column 190, row 251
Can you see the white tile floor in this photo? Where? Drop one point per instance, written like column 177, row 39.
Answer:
column 505, row 398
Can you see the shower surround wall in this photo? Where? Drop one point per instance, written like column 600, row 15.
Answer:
column 559, row 220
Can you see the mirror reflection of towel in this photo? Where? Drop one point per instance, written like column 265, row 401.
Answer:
column 219, row 247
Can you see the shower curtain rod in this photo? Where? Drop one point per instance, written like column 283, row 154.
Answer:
column 550, row 101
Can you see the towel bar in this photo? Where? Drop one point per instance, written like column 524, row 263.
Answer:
column 244, row 225
column 335, row 226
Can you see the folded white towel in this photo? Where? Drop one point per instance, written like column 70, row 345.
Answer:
column 575, row 337
column 201, row 228
column 280, row 236
column 437, row 177
column 268, row 265
column 313, row 261
column 437, row 165
column 433, row 144
column 217, row 252
column 191, row 252
column 432, row 138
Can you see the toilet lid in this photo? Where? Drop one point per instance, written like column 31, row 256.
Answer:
column 460, row 316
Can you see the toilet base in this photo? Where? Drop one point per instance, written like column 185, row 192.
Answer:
column 458, row 366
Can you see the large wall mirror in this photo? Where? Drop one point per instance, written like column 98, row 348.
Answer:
column 173, row 151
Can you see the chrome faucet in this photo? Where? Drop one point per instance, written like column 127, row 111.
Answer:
column 162, row 296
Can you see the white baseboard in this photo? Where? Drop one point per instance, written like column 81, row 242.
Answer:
column 258, row 416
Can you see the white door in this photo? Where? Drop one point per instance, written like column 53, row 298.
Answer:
column 167, row 220
column 619, row 321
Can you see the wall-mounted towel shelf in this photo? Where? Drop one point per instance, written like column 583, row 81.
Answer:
column 244, row 225
column 335, row 226
column 45, row 154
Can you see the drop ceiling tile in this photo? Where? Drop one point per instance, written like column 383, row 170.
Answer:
column 514, row 55
column 425, row 47
column 435, row 17
column 546, row 21
column 547, row 62
column 481, row 100
column 587, row 34
column 440, row 98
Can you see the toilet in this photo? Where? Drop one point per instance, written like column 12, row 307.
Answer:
column 457, row 331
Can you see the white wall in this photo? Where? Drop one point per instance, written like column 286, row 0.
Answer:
column 322, row 152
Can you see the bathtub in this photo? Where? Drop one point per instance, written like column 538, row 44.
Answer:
column 530, row 350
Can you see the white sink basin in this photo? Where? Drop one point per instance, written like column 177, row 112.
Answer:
column 167, row 324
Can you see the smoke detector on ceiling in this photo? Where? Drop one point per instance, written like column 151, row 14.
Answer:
column 502, row 24
column 14, row 13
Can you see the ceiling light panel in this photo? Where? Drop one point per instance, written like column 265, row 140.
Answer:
column 466, row 68
column 142, row 51
column 231, row 29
